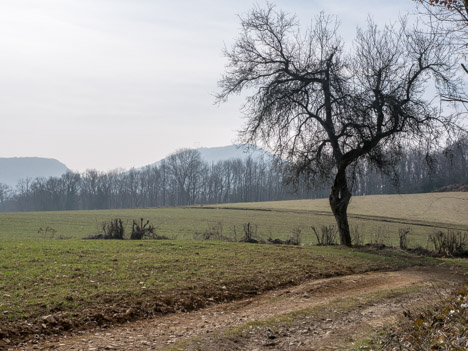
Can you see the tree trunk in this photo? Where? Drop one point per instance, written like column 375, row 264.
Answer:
column 339, row 200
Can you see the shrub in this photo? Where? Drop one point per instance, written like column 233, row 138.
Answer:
column 294, row 238
column 327, row 236
column 113, row 229
column 357, row 239
column 250, row 230
column 144, row 230
column 450, row 243
column 379, row 237
column 403, row 236
column 213, row 232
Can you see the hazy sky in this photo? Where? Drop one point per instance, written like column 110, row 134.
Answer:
column 120, row 83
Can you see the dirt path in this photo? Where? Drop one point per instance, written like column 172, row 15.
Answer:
column 344, row 310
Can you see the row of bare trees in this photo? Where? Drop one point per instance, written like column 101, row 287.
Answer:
column 416, row 171
column 181, row 179
column 185, row 179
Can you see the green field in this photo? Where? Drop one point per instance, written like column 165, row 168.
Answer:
column 88, row 282
column 377, row 218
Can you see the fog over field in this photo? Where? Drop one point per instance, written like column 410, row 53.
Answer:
column 109, row 84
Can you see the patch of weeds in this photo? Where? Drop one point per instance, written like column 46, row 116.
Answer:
column 440, row 327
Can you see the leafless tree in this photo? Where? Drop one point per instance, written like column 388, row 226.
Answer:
column 185, row 165
column 5, row 193
column 324, row 109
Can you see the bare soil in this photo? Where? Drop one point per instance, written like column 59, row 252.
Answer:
column 322, row 314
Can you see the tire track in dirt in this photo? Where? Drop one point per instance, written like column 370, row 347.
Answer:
column 162, row 332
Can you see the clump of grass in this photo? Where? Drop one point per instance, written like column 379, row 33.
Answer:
column 443, row 327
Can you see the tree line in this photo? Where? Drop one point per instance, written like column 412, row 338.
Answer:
column 181, row 179
column 185, row 179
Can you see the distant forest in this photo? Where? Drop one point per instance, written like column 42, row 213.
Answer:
column 185, row 179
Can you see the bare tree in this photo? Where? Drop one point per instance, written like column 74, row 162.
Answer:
column 5, row 193
column 184, row 166
column 323, row 109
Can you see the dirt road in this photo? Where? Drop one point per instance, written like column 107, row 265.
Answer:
column 322, row 314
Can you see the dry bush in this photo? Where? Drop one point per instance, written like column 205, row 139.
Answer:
column 379, row 237
column 144, row 230
column 403, row 236
column 450, row 243
column 294, row 238
column 357, row 238
column 213, row 232
column 328, row 235
column 113, row 229
column 250, row 231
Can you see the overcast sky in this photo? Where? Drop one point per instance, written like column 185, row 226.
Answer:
column 111, row 84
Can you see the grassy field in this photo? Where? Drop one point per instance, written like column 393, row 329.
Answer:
column 446, row 209
column 377, row 218
column 87, row 282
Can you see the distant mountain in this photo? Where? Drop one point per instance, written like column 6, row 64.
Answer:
column 229, row 152
column 12, row 169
